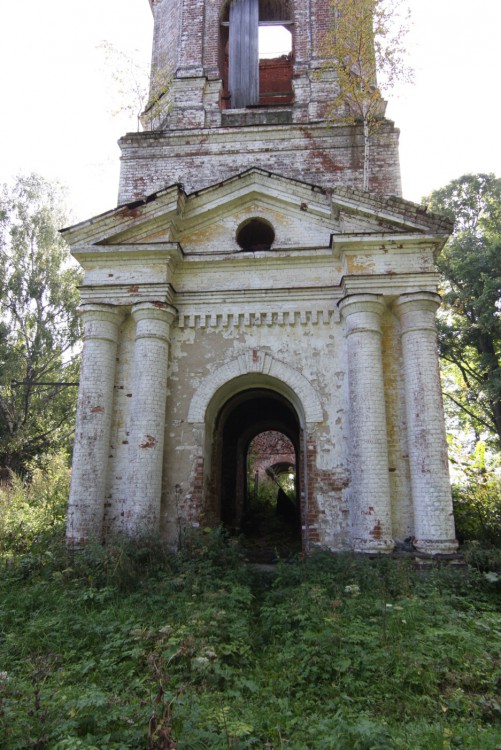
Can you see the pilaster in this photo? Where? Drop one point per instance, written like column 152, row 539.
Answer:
column 431, row 492
column 370, row 487
column 94, row 414
column 149, row 393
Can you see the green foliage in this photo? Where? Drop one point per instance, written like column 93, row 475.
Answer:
column 201, row 652
column 134, row 90
column 209, row 547
column 485, row 558
column 470, row 325
column 38, row 323
column 33, row 512
column 477, row 509
column 364, row 46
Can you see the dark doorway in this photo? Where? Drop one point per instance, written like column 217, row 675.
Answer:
column 258, row 433
column 272, row 519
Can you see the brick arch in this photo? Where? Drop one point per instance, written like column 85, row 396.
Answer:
column 271, row 370
column 275, row 10
column 269, row 10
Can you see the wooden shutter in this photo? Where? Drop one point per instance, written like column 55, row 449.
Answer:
column 244, row 55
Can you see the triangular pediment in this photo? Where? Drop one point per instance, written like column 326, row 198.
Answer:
column 302, row 215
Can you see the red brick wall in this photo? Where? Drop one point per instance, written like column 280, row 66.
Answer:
column 270, row 448
column 275, row 81
column 322, row 155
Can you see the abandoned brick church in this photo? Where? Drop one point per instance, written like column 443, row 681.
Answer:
column 247, row 284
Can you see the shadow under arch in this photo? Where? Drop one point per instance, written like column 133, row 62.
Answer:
column 232, row 424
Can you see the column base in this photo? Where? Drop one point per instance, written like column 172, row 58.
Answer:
column 436, row 546
column 79, row 543
column 373, row 547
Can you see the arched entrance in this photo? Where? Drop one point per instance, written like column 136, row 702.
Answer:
column 250, row 394
column 253, row 430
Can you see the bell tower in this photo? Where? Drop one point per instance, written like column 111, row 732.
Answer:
column 246, row 286
column 219, row 106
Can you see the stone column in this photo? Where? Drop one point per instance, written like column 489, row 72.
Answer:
column 149, row 394
column 94, row 414
column 370, row 486
column 431, row 491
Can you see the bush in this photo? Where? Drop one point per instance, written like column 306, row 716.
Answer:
column 483, row 557
column 209, row 547
column 477, row 510
column 34, row 511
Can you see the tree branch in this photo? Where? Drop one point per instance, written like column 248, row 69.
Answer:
column 490, row 427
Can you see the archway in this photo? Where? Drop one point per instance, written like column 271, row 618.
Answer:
column 263, row 510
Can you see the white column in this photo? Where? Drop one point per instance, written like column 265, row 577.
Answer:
column 431, row 491
column 149, row 394
column 94, row 414
column 370, row 486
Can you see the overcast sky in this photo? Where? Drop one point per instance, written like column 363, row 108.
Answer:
column 55, row 93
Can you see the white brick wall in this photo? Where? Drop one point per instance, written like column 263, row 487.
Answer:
column 94, row 419
column 149, row 392
column 370, row 490
column 431, row 493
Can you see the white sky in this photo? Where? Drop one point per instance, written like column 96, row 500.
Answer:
column 55, row 90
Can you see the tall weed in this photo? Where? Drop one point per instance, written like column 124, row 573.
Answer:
column 34, row 511
column 130, row 647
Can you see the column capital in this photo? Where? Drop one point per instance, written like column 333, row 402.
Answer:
column 154, row 311
column 417, row 311
column 425, row 301
column 362, row 312
column 101, row 321
column 90, row 311
column 363, row 302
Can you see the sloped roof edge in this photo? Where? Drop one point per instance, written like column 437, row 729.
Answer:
column 125, row 209
column 392, row 207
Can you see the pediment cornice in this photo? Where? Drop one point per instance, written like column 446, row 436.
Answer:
column 348, row 215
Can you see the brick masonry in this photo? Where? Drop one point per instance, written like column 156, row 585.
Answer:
column 197, row 141
column 194, row 346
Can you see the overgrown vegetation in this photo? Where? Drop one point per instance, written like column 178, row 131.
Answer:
column 470, row 324
column 33, row 511
column 477, row 509
column 130, row 647
column 39, row 327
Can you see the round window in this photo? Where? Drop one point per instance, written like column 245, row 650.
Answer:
column 255, row 234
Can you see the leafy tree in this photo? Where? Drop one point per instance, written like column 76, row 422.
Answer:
column 365, row 43
column 38, row 323
column 470, row 325
column 135, row 91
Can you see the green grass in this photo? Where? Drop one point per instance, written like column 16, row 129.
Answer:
column 131, row 648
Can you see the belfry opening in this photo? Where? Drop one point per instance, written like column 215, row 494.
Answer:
column 257, row 47
column 255, row 463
